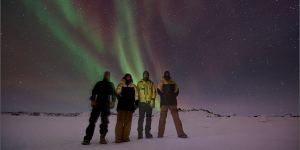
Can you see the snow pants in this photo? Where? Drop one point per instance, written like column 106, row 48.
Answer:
column 92, row 122
column 144, row 109
column 123, row 125
column 163, row 116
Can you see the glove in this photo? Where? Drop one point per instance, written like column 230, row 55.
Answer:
column 136, row 104
column 112, row 105
column 152, row 103
column 93, row 104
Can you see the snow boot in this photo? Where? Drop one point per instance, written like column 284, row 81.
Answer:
column 85, row 142
column 102, row 139
column 140, row 135
column 149, row 135
column 119, row 141
column 183, row 136
column 126, row 140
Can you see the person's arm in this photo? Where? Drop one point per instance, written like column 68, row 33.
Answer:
column 94, row 92
column 159, row 88
column 138, row 90
column 113, row 92
column 159, row 92
column 93, row 98
column 153, row 90
column 136, row 93
column 153, row 96
column 137, row 101
column 119, row 89
column 113, row 96
column 176, row 91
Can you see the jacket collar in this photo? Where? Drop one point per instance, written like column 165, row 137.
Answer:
column 123, row 82
column 164, row 81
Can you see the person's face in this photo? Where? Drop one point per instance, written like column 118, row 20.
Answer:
column 167, row 75
column 107, row 76
column 146, row 76
column 128, row 78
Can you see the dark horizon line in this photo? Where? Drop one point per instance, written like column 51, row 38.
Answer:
column 75, row 114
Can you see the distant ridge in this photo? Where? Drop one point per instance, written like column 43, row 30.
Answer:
column 21, row 113
column 218, row 115
column 208, row 113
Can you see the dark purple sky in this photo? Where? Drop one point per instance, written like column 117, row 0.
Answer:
column 232, row 57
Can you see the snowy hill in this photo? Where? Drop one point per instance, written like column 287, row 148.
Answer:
column 206, row 130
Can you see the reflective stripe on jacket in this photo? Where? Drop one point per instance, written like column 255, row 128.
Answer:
column 146, row 91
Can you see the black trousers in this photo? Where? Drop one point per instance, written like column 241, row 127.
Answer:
column 144, row 109
column 92, row 122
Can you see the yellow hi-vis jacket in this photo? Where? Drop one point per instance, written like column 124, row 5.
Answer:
column 146, row 91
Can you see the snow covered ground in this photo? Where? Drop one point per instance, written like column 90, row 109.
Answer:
column 205, row 131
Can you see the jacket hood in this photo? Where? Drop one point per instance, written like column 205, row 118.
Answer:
column 123, row 81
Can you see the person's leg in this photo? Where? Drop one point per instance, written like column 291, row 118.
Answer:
column 104, row 126
column 119, row 126
column 127, row 126
column 162, row 120
column 141, row 120
column 148, row 121
column 91, row 127
column 177, row 122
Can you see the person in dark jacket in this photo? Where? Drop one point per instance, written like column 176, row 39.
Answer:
column 168, row 91
column 102, row 100
column 127, row 101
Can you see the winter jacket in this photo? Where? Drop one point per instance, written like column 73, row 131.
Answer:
column 168, row 91
column 127, row 94
column 103, row 92
column 146, row 91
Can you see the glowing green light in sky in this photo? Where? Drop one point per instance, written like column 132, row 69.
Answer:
column 66, row 24
column 130, row 58
column 126, row 48
column 82, row 59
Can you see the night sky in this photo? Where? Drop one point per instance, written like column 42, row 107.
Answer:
column 228, row 56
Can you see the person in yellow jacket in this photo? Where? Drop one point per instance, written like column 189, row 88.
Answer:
column 146, row 96
column 127, row 102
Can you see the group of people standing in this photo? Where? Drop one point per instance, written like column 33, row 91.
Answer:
column 130, row 97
